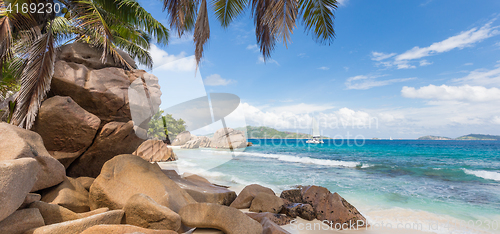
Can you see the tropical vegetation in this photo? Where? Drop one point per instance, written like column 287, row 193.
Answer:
column 156, row 126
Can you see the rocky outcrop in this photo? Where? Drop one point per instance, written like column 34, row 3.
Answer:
column 279, row 219
column 17, row 177
column 269, row 227
column 237, row 139
column 18, row 143
column 265, row 202
column 69, row 194
column 330, row 206
column 295, row 210
column 85, row 181
column 79, row 225
column 227, row 219
column 202, row 191
column 105, row 90
column 192, row 144
column 155, row 151
column 21, row 221
column 126, row 175
column 247, row 195
column 142, row 211
column 292, row 195
column 30, row 198
column 114, row 138
column 205, row 142
column 52, row 213
column 182, row 138
column 122, row 229
column 67, row 129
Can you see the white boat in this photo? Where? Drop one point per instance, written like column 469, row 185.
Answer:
column 316, row 137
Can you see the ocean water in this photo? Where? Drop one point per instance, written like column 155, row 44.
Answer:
column 443, row 186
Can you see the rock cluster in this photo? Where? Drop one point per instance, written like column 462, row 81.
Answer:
column 220, row 140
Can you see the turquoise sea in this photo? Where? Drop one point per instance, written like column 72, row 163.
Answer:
column 447, row 186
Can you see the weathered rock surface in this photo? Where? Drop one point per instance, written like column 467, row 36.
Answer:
column 227, row 219
column 269, row 227
column 123, row 229
column 17, row 177
column 265, row 202
column 205, row 142
column 305, row 211
column 220, row 139
column 202, row 191
column 155, row 151
column 21, row 221
column 30, row 198
column 142, row 211
column 66, row 128
column 279, row 219
column 126, row 175
column 292, row 195
column 114, row 138
column 79, row 225
column 90, row 56
column 85, row 181
column 331, row 207
column 110, row 93
column 17, row 143
column 192, row 144
column 52, row 213
column 247, row 195
column 69, row 194
column 182, row 138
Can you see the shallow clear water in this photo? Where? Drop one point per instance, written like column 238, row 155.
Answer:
column 397, row 180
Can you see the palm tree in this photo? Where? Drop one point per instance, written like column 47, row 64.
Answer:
column 274, row 19
column 28, row 41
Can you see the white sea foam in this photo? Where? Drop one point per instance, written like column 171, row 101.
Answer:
column 304, row 160
column 489, row 175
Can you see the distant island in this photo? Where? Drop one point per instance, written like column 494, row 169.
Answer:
column 270, row 133
column 466, row 137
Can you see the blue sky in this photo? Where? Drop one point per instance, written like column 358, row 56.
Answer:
column 398, row 69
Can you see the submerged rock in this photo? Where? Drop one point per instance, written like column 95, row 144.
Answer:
column 227, row 219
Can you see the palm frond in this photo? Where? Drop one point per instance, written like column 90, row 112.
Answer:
column 135, row 51
column 318, row 17
column 5, row 39
column 35, row 79
column 281, row 16
column 265, row 37
column 182, row 14
column 227, row 10
column 201, row 31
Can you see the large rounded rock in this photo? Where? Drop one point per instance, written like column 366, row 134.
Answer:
column 57, row 214
column 227, row 219
column 182, row 138
column 247, row 195
column 331, row 207
column 142, row 211
column 79, row 225
column 17, row 143
column 237, row 139
column 21, row 221
column 112, row 94
column 114, row 138
column 192, row 144
column 84, row 53
column 123, row 229
column 85, row 181
column 155, row 151
column 70, row 194
column 292, row 195
column 265, row 202
column 66, row 128
column 304, row 211
column 17, row 177
column 202, row 190
column 126, row 175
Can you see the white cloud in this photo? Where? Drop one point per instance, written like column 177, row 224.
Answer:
column 253, row 47
column 482, row 77
column 460, row 41
column 302, row 108
column 363, row 82
column 453, row 93
column 468, row 64
column 324, row 68
column 217, row 80
column 379, row 56
column 424, row 63
column 268, row 60
column 169, row 62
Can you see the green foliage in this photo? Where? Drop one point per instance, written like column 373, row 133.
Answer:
column 8, row 82
column 478, row 137
column 270, row 133
column 159, row 120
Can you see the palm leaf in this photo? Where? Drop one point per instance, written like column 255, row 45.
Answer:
column 227, row 10
column 281, row 16
column 182, row 14
column 35, row 79
column 318, row 17
column 265, row 37
column 201, row 31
